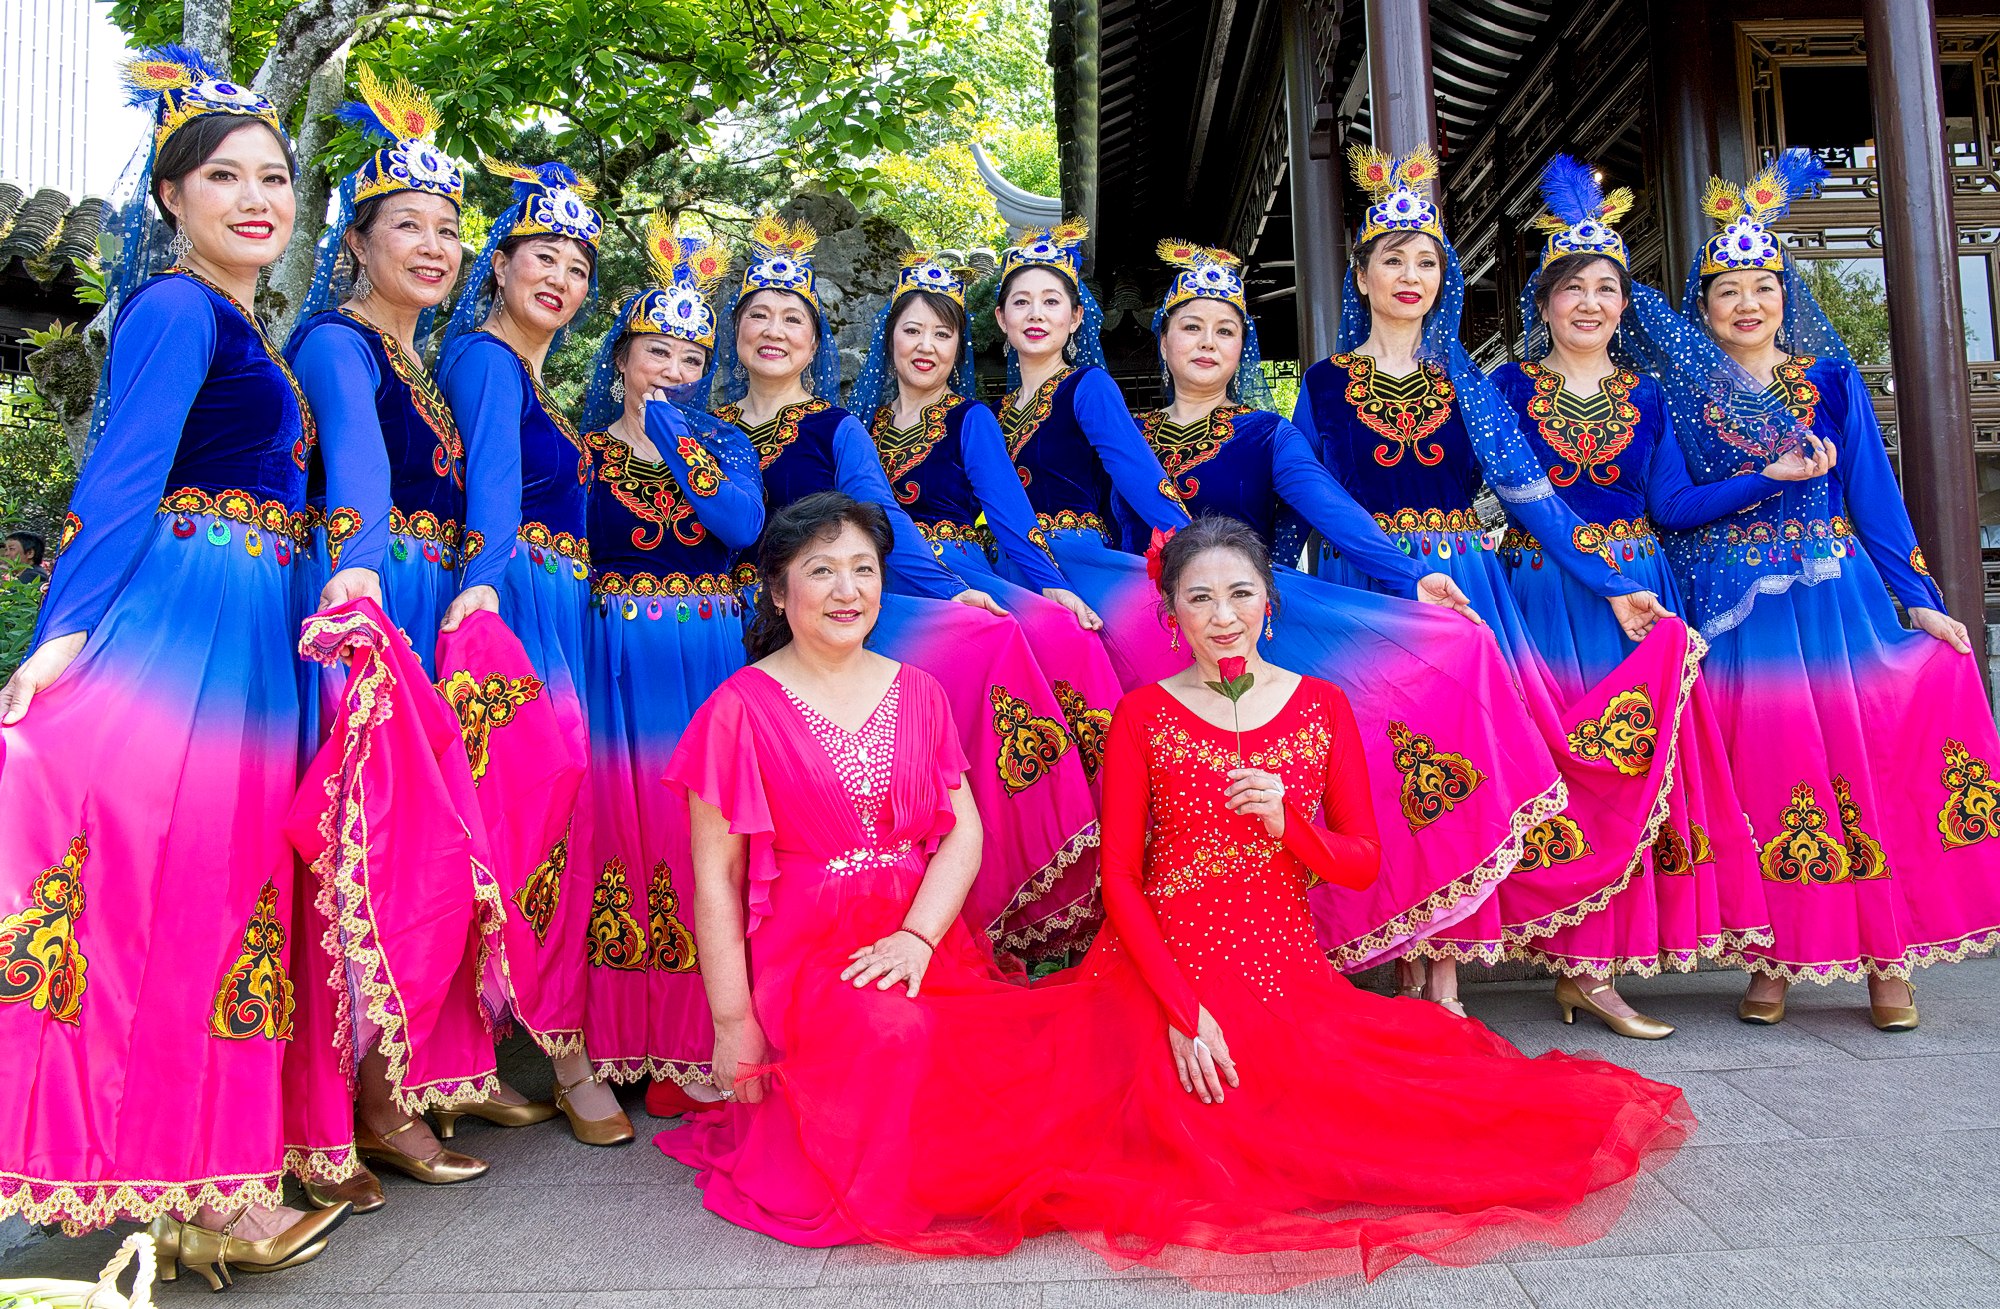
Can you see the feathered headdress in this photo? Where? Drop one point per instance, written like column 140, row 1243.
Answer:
column 551, row 197
column 399, row 114
column 685, row 270
column 1400, row 191
column 922, row 272
column 781, row 259
column 1747, row 212
column 1204, row 273
column 178, row 86
column 1059, row 248
column 1580, row 216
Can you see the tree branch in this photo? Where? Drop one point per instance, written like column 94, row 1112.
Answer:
column 307, row 36
column 291, row 276
column 205, row 27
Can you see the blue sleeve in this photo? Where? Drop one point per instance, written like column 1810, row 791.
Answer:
column 1304, row 419
column 488, row 395
column 1304, row 484
column 857, row 470
column 995, row 481
column 719, row 477
column 1130, row 463
column 1875, row 507
column 1676, row 502
column 160, row 355
column 1556, row 524
column 337, row 371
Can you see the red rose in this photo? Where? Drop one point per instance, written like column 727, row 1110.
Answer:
column 1154, row 566
column 1232, row 668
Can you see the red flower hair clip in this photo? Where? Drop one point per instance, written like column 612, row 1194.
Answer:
column 1154, row 566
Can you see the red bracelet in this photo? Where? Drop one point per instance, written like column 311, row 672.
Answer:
column 920, row 936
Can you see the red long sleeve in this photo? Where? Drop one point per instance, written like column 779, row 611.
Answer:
column 1122, row 864
column 1347, row 849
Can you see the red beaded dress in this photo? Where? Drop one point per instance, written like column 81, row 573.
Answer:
column 1365, row 1129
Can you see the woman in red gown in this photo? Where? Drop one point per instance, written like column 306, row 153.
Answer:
column 1204, row 1093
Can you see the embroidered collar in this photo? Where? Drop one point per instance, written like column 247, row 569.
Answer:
column 542, row 397
column 1406, row 412
column 448, row 460
column 904, row 449
column 308, row 430
column 774, row 435
column 1021, row 424
column 1589, row 432
column 1184, row 446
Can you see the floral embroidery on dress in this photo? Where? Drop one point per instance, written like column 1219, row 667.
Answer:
column 1589, row 432
column 1555, row 840
column 1625, row 734
column 256, row 995
column 1917, row 562
column 1183, row 446
column 1865, row 857
column 672, row 942
column 1670, row 854
column 1971, row 811
column 1704, row 853
column 1030, row 745
column 484, row 706
column 616, row 940
column 1434, row 781
column 1019, row 425
column 1088, row 727
column 649, row 492
column 903, row 450
column 1406, row 412
column 71, row 525
column 1802, row 851
column 539, row 894
column 775, row 435
column 41, row 961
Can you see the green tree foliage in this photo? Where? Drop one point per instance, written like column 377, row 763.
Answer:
column 37, row 473
column 1853, row 299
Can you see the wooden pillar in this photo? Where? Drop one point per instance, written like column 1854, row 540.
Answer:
column 1319, row 237
column 1926, row 332
column 1685, row 110
column 1402, row 104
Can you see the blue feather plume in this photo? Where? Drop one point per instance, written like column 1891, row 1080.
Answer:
column 1570, row 190
column 1802, row 173
column 358, row 114
column 141, row 95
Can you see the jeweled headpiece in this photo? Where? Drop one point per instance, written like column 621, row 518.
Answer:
column 921, row 272
column 552, row 201
column 1747, row 212
column 781, row 260
column 1204, row 274
column 400, row 115
column 1058, row 248
column 685, row 270
column 179, row 86
column 1400, row 191
column 1580, row 216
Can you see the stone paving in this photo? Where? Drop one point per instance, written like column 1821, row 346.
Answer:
column 1835, row 1166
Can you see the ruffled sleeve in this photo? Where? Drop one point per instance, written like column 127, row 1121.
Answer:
column 1345, row 847
column 942, row 762
column 718, row 760
column 1122, row 861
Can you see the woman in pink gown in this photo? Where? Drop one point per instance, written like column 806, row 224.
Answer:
column 1204, row 1092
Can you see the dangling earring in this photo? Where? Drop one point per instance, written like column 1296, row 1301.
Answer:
column 1268, row 633
column 1175, row 628
column 180, row 247
column 618, row 387
column 363, row 288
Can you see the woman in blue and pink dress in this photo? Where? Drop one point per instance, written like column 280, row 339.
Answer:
column 1411, row 428
column 1605, row 434
column 1406, row 668
column 947, row 463
column 674, row 496
column 1862, row 750
column 152, row 976
column 780, row 372
column 527, row 560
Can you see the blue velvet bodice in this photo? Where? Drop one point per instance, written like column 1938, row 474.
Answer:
column 926, row 466
column 419, row 434
column 249, row 428
column 1425, row 462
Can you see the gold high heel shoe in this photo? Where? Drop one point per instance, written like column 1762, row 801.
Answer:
column 1895, row 1017
column 1572, row 997
column 1761, row 1013
column 498, row 1112
column 212, row 1253
column 444, row 1168
column 361, row 1192
column 615, row 1130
